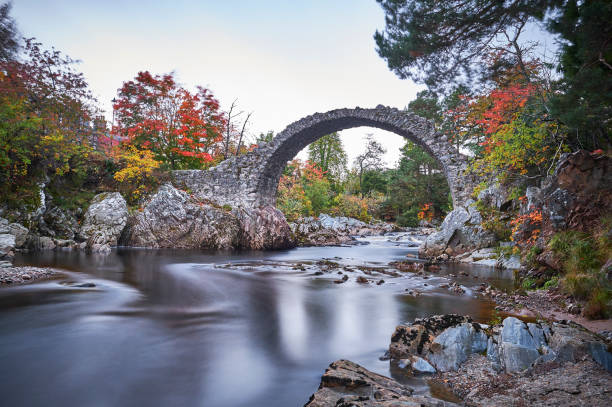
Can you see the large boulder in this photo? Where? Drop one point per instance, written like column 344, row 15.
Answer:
column 447, row 341
column 20, row 232
column 174, row 219
column 7, row 247
column 264, row 228
column 460, row 232
column 346, row 384
column 416, row 338
column 58, row 223
column 104, row 220
column 453, row 346
column 518, row 348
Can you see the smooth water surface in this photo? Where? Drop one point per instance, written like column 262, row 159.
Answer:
column 186, row 328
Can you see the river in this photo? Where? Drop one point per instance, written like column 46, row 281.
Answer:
column 185, row 328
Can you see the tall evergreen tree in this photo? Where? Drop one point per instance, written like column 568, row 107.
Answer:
column 9, row 43
column 328, row 153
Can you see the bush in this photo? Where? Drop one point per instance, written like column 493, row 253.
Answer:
column 351, row 206
column 409, row 218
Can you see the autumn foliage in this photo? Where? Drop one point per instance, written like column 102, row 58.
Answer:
column 47, row 122
column 182, row 129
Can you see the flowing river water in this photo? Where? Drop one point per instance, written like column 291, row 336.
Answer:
column 191, row 328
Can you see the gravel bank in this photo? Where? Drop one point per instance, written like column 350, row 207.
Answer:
column 22, row 275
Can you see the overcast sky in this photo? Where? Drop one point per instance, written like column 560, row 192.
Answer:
column 282, row 60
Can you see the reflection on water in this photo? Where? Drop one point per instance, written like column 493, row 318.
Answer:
column 186, row 328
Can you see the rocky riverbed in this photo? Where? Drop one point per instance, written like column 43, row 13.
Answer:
column 512, row 363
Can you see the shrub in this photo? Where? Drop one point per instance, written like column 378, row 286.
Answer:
column 351, row 206
column 582, row 256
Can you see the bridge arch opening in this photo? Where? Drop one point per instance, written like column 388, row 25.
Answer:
column 297, row 136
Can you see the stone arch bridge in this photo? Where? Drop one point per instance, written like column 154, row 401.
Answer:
column 251, row 180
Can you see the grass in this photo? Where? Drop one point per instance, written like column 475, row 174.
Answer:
column 582, row 256
column 529, row 284
column 552, row 283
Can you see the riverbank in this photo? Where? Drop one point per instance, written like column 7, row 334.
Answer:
column 467, row 363
column 11, row 276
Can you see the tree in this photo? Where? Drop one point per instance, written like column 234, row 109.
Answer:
column 440, row 43
column 46, row 129
column 265, row 137
column 9, row 43
column 182, row 129
column 374, row 181
column 426, row 105
column 371, row 158
column 417, row 185
column 328, row 153
column 583, row 98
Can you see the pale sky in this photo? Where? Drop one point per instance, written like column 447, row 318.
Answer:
column 282, row 60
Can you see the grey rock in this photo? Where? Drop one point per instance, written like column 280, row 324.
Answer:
column 7, row 246
column 510, row 263
column 58, row 223
column 460, row 232
column 172, row 218
column 537, row 333
column 264, row 228
column 517, row 358
column 493, row 352
column 104, row 220
column 518, row 348
column 40, row 243
column 415, row 339
column 495, row 196
column 599, row 352
column 346, row 384
column 453, row 346
column 4, row 226
column 20, row 232
column 421, row 365
column 571, row 342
